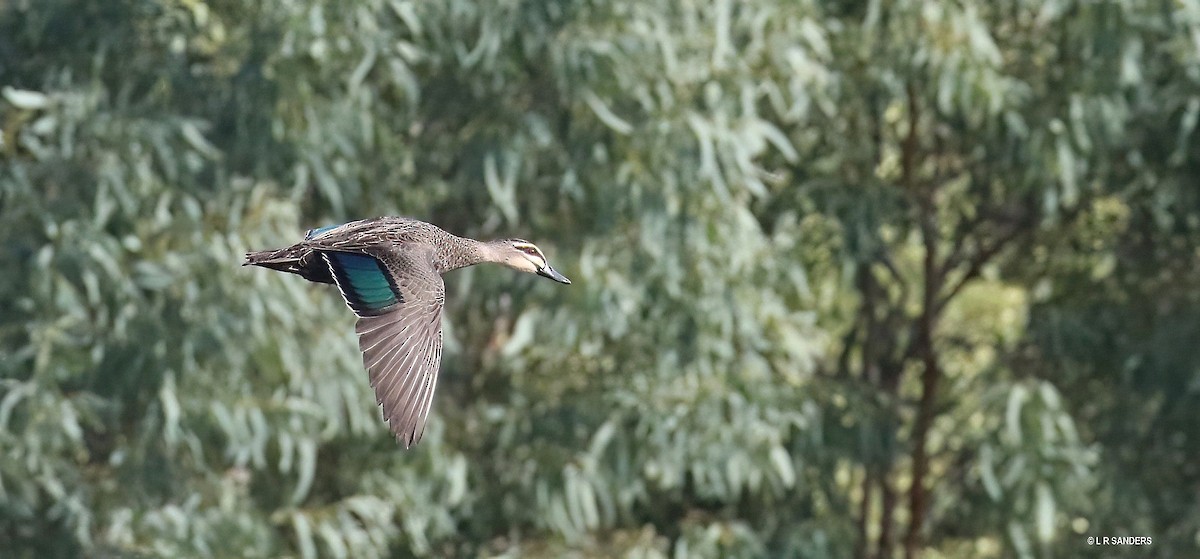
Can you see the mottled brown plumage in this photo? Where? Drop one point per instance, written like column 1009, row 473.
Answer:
column 388, row 270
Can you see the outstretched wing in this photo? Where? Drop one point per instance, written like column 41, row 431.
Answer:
column 398, row 297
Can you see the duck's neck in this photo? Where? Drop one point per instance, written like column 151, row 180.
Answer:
column 459, row 252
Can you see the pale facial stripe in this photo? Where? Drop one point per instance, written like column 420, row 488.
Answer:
column 531, row 250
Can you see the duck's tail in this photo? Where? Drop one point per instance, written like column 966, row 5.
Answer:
column 283, row 259
column 297, row 259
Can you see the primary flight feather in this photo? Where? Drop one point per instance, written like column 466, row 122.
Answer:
column 389, row 271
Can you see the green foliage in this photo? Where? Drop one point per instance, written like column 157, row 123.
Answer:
column 783, row 219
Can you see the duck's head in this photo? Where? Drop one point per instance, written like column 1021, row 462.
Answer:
column 525, row 256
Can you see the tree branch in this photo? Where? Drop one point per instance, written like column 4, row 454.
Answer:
column 976, row 263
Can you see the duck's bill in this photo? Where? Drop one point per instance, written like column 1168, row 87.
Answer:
column 553, row 274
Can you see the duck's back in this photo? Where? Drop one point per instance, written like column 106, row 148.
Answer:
column 369, row 233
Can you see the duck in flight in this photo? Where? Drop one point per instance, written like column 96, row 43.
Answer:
column 389, row 271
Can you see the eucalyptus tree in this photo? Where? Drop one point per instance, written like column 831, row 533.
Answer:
column 972, row 144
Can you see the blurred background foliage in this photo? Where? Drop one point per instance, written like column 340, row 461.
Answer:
column 861, row 278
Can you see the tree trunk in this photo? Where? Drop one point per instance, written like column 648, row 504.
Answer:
column 863, row 546
column 930, row 377
column 917, row 504
column 887, row 506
